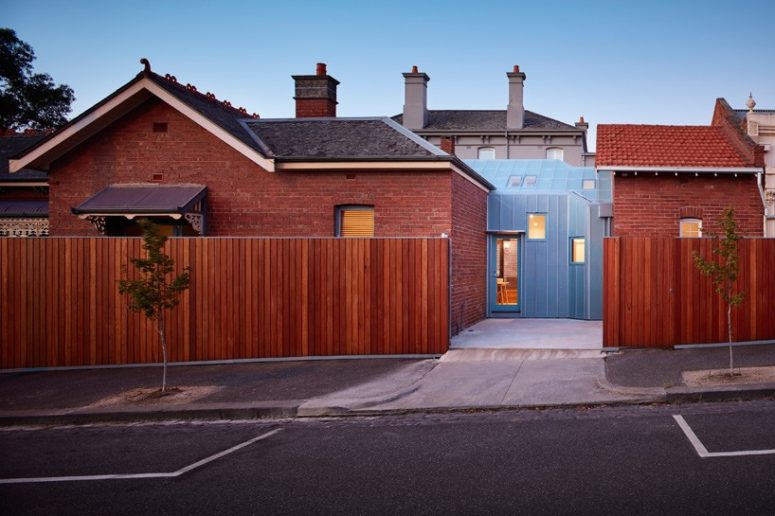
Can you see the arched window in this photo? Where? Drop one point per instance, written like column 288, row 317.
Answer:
column 486, row 153
column 690, row 228
column 554, row 153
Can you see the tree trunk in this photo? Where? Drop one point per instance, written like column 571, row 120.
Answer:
column 729, row 327
column 163, row 335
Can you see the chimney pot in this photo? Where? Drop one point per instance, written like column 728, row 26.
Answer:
column 516, row 68
column 414, row 69
column 321, row 69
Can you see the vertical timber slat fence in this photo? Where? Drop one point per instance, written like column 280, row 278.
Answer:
column 249, row 298
column 654, row 296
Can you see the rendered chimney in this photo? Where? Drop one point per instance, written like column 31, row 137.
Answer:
column 582, row 124
column 515, row 112
column 415, row 99
column 315, row 94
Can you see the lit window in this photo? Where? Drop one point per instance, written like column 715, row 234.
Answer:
column 529, row 181
column 691, row 228
column 577, row 250
column 515, row 181
column 355, row 221
column 536, row 226
column 486, row 153
column 588, row 184
column 554, row 153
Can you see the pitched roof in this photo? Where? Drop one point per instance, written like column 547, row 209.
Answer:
column 12, row 145
column 340, row 138
column 666, row 146
column 483, row 120
column 142, row 198
column 551, row 176
column 219, row 112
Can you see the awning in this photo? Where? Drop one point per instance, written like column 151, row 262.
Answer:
column 23, row 209
column 145, row 200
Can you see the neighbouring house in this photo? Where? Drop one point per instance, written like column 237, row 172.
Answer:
column 676, row 181
column 160, row 149
column 755, row 128
column 546, row 224
column 511, row 133
column 23, row 194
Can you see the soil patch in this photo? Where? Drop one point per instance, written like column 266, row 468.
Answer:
column 720, row 377
column 153, row 396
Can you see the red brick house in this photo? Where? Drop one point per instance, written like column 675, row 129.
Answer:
column 24, row 194
column 199, row 166
column 677, row 180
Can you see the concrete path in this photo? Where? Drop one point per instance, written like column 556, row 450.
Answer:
column 479, row 378
column 531, row 334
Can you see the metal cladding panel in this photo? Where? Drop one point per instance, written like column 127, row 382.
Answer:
column 551, row 285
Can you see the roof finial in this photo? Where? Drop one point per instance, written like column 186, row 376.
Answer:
column 147, row 65
column 751, row 102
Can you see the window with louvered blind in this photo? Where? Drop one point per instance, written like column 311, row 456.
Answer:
column 355, row 221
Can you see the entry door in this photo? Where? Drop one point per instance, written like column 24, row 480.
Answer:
column 504, row 273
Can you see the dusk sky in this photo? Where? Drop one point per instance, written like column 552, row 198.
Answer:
column 611, row 61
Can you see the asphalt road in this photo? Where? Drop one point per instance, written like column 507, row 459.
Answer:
column 634, row 460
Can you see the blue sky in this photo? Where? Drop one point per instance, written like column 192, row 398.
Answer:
column 656, row 61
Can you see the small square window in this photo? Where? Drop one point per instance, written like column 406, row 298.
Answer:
column 690, row 228
column 355, row 221
column 515, row 181
column 577, row 250
column 536, row 226
column 588, row 184
column 529, row 181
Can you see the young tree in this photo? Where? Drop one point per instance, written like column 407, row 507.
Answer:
column 152, row 294
column 28, row 100
column 723, row 270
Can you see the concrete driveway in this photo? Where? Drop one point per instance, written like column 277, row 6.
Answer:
column 531, row 334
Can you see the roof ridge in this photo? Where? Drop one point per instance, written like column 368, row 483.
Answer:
column 205, row 96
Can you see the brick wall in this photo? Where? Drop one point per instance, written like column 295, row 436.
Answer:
column 244, row 200
column 311, row 108
column 648, row 205
column 469, row 253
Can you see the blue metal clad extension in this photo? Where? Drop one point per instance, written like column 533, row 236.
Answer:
column 550, row 285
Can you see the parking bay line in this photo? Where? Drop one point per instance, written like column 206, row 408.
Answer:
column 128, row 476
column 703, row 452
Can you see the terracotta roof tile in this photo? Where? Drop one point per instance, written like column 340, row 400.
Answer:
column 665, row 146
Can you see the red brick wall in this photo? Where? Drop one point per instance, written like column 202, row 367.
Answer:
column 648, row 205
column 244, row 200
column 311, row 108
column 469, row 253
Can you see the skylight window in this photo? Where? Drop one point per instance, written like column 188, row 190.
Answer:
column 529, row 181
column 515, row 181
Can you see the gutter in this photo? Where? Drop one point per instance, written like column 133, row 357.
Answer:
column 718, row 170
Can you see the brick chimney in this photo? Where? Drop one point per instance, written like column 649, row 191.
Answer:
column 515, row 112
column 448, row 144
column 415, row 99
column 315, row 94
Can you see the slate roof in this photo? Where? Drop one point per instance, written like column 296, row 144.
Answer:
column 666, row 146
column 12, row 145
column 142, row 198
column 483, row 120
column 23, row 208
column 340, row 138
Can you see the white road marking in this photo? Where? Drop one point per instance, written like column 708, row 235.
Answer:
column 172, row 474
column 703, row 452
